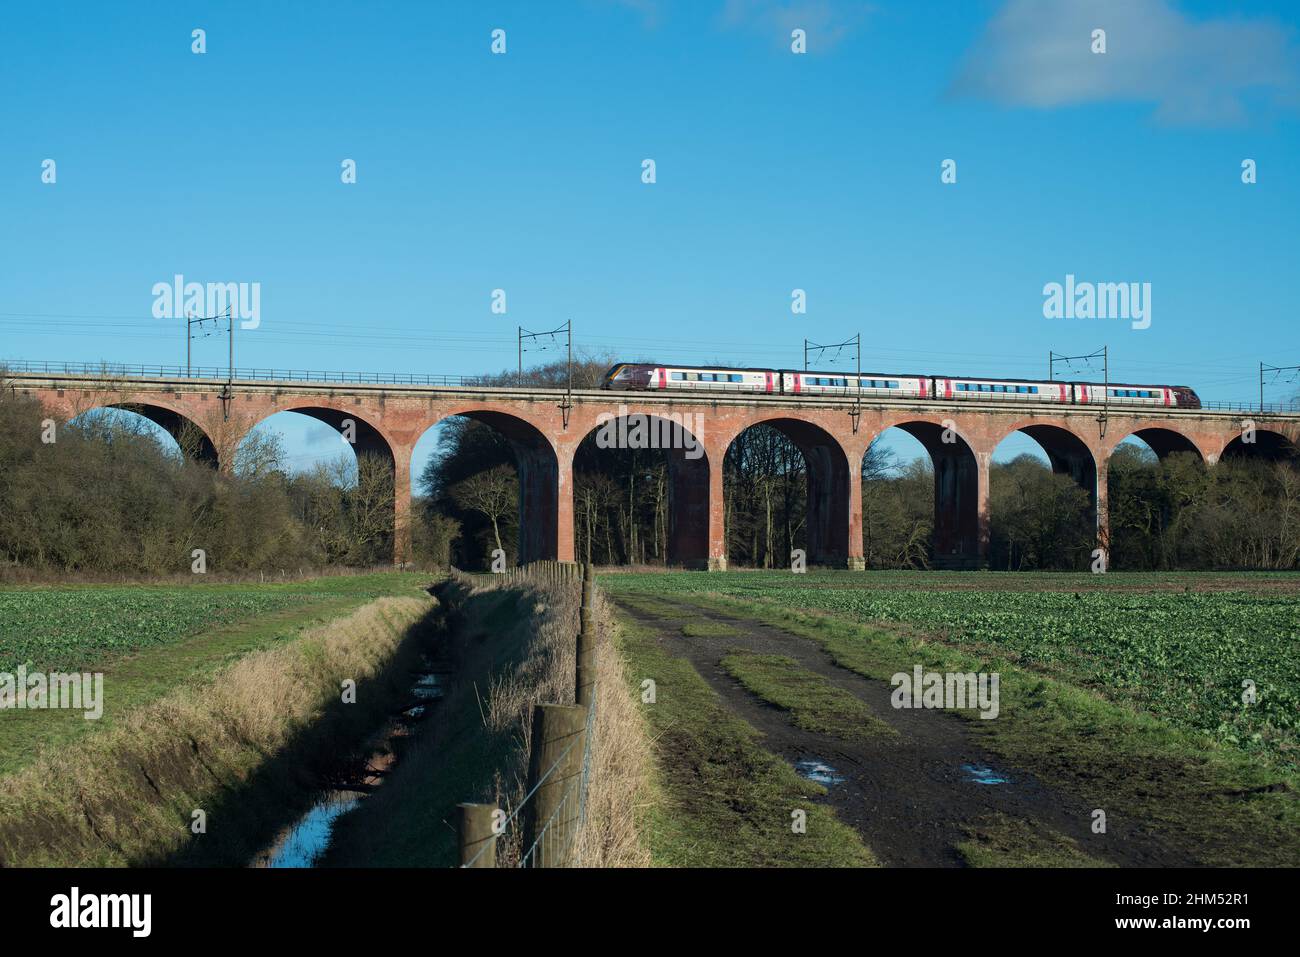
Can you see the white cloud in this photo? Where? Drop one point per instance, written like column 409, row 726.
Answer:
column 1038, row 53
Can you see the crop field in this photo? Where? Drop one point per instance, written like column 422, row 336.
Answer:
column 1181, row 647
column 62, row 627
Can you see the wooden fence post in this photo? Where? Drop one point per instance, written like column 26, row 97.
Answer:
column 478, row 841
column 584, row 683
column 559, row 733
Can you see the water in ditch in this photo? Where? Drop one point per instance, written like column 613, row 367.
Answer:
column 302, row 843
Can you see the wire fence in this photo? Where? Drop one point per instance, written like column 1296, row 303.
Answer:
column 548, row 821
column 556, row 838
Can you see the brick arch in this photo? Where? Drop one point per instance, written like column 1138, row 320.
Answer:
column 694, row 477
column 537, row 461
column 960, row 536
column 829, row 488
column 1271, row 444
column 1066, row 451
column 371, row 439
column 1162, row 439
column 193, row 439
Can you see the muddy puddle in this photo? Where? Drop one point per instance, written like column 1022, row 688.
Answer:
column 819, row 772
column 302, row 843
column 983, row 774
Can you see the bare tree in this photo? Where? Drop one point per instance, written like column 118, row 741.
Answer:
column 493, row 494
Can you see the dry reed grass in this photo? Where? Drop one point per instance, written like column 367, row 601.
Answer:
column 127, row 795
column 620, row 749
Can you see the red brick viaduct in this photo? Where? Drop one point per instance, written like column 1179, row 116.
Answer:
column 960, row 437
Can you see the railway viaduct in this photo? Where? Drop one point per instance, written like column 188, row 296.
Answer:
column 545, row 429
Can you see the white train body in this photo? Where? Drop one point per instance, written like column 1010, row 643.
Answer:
column 641, row 376
column 874, row 384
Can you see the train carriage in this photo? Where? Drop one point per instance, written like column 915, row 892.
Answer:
column 1116, row 393
column 634, row 376
column 1002, row 390
column 647, row 376
column 874, row 384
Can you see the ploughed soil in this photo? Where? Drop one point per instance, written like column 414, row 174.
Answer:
column 908, row 794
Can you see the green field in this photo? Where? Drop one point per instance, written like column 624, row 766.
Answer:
column 1175, row 646
column 148, row 639
column 76, row 626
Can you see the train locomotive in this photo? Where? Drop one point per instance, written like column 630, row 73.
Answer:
column 636, row 376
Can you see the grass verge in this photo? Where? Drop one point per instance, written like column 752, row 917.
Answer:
column 707, row 629
column 1002, row 841
column 716, row 797
column 813, row 702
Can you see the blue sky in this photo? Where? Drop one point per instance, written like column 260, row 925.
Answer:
column 775, row 172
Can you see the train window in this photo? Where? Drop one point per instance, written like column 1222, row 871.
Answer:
column 1033, row 389
column 891, row 384
column 736, row 377
column 692, row 376
column 677, row 377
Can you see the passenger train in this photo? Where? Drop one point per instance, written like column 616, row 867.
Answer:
column 643, row 376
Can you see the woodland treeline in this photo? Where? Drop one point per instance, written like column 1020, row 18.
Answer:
column 108, row 496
